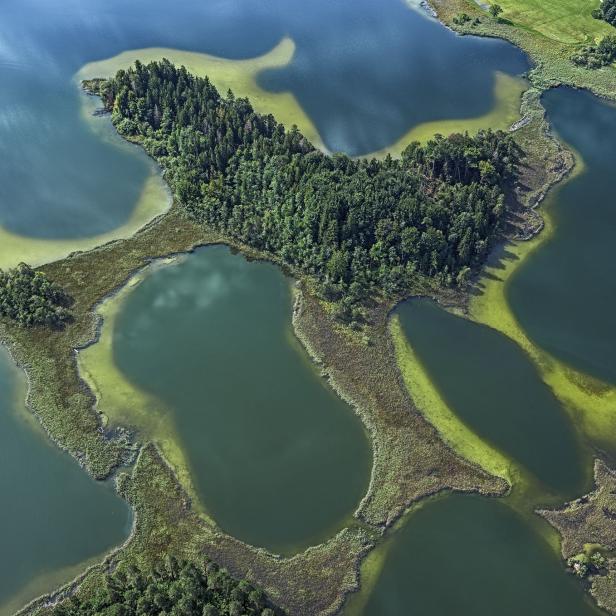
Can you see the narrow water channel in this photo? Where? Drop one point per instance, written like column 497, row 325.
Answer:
column 277, row 458
column 53, row 517
column 564, row 293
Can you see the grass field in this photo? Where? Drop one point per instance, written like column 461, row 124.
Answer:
column 549, row 31
column 567, row 21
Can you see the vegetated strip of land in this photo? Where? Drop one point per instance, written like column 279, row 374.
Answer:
column 410, row 460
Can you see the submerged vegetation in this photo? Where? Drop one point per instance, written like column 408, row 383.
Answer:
column 359, row 227
column 30, row 298
column 174, row 588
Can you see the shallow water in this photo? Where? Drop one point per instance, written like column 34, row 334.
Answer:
column 277, row 458
column 564, row 293
column 53, row 516
column 562, row 296
column 365, row 72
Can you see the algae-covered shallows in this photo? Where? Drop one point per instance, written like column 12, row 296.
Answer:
column 564, row 293
column 576, row 328
column 62, row 187
column 552, row 295
column 59, row 193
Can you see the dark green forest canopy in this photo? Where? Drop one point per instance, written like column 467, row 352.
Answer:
column 359, row 227
column 607, row 11
column 30, row 298
column 174, row 589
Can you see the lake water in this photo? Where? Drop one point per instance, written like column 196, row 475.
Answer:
column 53, row 516
column 562, row 296
column 564, row 293
column 278, row 459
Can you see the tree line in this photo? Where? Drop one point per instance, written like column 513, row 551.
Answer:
column 606, row 11
column 173, row 588
column 358, row 227
column 597, row 55
column 30, row 298
column 603, row 53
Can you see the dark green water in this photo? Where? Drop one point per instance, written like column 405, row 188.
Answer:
column 366, row 72
column 52, row 515
column 564, row 294
column 278, row 459
column 471, row 556
column 493, row 387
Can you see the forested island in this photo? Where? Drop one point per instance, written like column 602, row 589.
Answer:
column 360, row 228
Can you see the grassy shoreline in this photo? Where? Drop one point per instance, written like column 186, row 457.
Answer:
column 585, row 526
column 549, row 54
